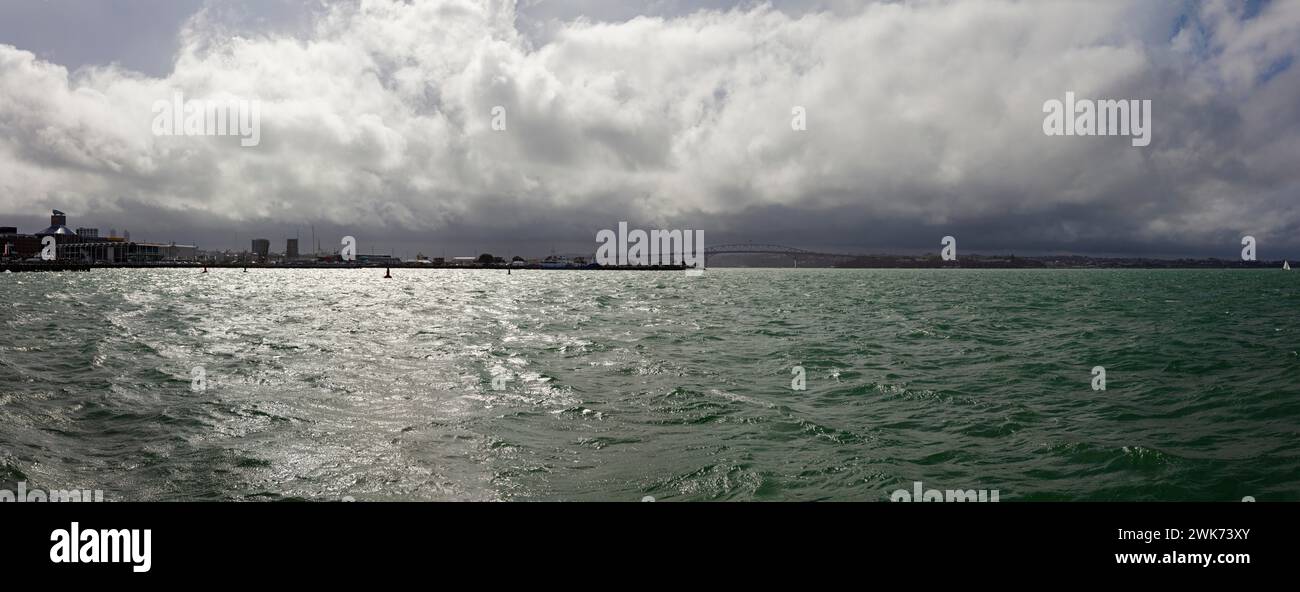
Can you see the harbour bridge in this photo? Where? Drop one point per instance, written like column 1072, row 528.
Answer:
column 769, row 249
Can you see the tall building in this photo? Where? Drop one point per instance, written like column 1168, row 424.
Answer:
column 261, row 248
column 291, row 248
column 58, row 227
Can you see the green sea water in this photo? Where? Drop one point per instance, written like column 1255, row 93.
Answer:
column 605, row 385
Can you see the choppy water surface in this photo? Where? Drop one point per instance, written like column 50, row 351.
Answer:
column 321, row 384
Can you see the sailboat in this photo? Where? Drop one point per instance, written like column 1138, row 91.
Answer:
column 1286, row 266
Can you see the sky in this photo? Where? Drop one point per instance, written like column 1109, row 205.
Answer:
column 923, row 119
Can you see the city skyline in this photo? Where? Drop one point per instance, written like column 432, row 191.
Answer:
column 753, row 254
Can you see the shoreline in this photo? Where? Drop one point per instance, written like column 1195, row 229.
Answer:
column 1029, row 264
column 55, row 266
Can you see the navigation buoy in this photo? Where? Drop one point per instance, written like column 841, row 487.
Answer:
column 205, row 269
column 388, row 273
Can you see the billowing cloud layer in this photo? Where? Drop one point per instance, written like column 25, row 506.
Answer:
column 923, row 119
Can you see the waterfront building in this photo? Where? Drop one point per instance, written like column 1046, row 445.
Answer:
column 378, row 260
column 261, row 248
column 86, row 246
column 58, row 228
column 18, row 246
column 175, row 252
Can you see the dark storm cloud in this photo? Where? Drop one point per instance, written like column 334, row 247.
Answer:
column 924, row 120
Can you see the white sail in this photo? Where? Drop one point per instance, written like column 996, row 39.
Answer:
column 1286, row 265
